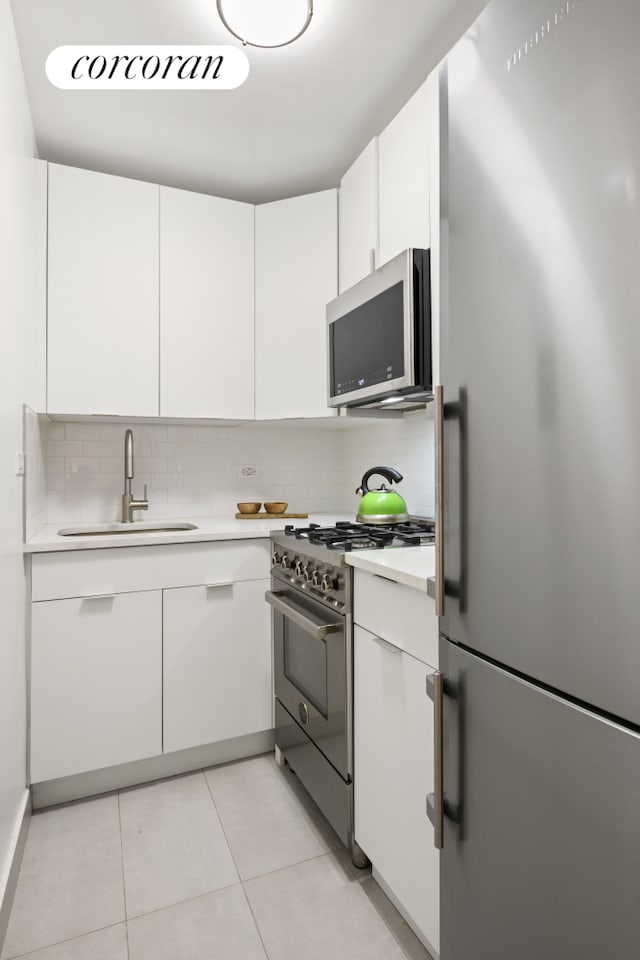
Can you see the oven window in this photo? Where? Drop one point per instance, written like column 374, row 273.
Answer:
column 305, row 665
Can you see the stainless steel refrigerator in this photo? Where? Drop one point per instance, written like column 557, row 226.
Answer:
column 540, row 633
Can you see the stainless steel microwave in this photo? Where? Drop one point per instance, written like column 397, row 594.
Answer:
column 379, row 336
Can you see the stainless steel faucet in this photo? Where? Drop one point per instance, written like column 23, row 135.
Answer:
column 129, row 504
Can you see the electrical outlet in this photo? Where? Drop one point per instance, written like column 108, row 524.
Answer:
column 248, row 472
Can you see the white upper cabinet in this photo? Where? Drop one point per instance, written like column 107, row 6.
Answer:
column 403, row 168
column 206, row 306
column 296, row 276
column 102, row 330
column 358, row 221
column 433, row 107
column 34, row 282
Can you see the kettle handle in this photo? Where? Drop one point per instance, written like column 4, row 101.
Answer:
column 387, row 472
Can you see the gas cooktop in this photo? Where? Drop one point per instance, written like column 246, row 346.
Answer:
column 312, row 559
column 345, row 536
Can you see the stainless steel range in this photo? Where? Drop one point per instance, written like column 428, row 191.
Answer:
column 311, row 597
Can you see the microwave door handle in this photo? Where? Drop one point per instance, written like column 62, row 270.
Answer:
column 300, row 618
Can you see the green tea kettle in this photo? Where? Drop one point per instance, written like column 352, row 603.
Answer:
column 381, row 505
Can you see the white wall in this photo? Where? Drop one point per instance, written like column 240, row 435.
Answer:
column 17, row 304
column 35, row 481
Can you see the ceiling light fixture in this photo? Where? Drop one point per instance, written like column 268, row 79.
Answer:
column 266, row 23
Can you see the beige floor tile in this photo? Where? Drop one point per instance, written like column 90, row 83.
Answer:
column 317, row 910
column 70, row 881
column 218, row 926
column 109, row 944
column 172, row 843
column 267, row 817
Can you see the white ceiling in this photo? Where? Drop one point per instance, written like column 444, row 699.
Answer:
column 296, row 124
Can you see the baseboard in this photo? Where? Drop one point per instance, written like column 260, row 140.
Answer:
column 95, row 782
column 10, row 880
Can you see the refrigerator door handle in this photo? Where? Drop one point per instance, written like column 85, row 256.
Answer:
column 439, row 417
column 435, row 800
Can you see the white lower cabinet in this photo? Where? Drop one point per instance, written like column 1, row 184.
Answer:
column 393, row 773
column 217, row 663
column 135, row 644
column 96, row 683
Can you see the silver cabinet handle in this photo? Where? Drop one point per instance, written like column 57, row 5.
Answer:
column 385, row 643
column 439, row 500
column 300, row 617
column 99, row 596
column 435, row 800
column 219, row 583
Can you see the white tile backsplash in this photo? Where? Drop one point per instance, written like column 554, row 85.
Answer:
column 193, row 470
column 408, row 446
column 190, row 470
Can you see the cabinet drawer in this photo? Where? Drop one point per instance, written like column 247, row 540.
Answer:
column 85, row 573
column 399, row 614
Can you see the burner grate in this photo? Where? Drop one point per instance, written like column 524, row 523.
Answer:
column 345, row 535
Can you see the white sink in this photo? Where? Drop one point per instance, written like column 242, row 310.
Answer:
column 138, row 526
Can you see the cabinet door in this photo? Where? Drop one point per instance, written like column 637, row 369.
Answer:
column 96, row 697
column 358, row 218
column 206, row 306
column 34, row 284
column 102, row 350
column 393, row 773
column 296, row 276
column 403, row 159
column 217, row 663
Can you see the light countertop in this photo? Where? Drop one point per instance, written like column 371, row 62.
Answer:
column 412, row 566
column 47, row 539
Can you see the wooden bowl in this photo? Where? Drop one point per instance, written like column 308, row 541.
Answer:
column 248, row 507
column 277, row 507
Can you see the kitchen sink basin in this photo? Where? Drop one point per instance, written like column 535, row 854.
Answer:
column 109, row 529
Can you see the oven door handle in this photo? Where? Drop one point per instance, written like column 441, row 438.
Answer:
column 300, row 617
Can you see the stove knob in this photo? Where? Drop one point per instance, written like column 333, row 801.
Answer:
column 316, row 579
column 306, row 572
column 275, row 558
column 328, row 583
column 303, row 713
column 285, row 563
column 299, row 568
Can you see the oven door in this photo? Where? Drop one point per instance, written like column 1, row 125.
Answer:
column 310, row 674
